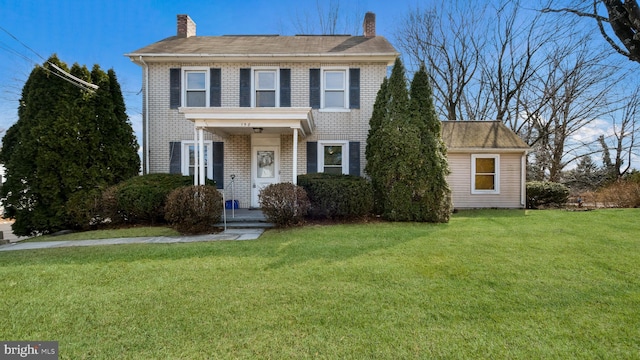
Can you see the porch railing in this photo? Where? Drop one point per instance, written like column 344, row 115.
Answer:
column 231, row 185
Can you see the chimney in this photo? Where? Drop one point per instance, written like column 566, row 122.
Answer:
column 369, row 25
column 186, row 26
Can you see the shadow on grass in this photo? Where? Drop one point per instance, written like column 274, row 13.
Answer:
column 342, row 242
column 490, row 213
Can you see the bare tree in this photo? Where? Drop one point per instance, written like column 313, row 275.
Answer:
column 578, row 90
column 623, row 18
column 501, row 61
column 327, row 18
column 626, row 125
column 447, row 39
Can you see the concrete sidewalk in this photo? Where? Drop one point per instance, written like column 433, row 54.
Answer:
column 230, row 234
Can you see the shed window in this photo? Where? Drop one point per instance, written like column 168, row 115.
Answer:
column 485, row 174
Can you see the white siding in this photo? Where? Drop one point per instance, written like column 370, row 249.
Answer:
column 510, row 183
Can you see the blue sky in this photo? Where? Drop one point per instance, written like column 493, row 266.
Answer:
column 101, row 31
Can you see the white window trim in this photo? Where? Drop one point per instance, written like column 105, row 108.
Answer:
column 207, row 86
column 253, row 83
column 496, row 158
column 345, row 154
column 346, row 89
column 184, row 161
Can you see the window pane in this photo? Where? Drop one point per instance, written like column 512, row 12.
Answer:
column 265, row 98
column 485, row 166
column 334, row 80
column 334, row 99
column 485, row 182
column 333, row 156
column 192, row 162
column 196, row 80
column 265, row 80
column 266, row 164
column 192, row 150
column 196, row 99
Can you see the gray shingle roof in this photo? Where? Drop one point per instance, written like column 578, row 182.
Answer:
column 300, row 45
column 480, row 135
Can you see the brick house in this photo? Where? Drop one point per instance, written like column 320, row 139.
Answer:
column 263, row 109
column 257, row 110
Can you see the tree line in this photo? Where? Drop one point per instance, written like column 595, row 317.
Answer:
column 546, row 75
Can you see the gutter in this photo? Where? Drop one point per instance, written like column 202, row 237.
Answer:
column 146, row 116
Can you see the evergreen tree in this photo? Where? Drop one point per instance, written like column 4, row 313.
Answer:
column 406, row 157
column 375, row 143
column 66, row 140
column 393, row 147
column 436, row 199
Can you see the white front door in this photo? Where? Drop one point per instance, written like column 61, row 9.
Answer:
column 265, row 170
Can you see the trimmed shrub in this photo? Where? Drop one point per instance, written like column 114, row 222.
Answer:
column 335, row 196
column 284, row 204
column 194, row 209
column 84, row 209
column 108, row 208
column 545, row 193
column 141, row 199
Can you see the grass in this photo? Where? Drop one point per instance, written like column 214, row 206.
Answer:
column 490, row 284
column 145, row 231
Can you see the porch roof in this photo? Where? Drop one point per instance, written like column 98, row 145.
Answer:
column 226, row 121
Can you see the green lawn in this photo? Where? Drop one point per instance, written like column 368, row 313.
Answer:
column 488, row 285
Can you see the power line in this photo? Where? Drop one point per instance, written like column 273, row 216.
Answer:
column 62, row 73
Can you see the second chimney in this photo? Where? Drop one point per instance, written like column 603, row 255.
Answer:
column 369, row 25
column 186, row 26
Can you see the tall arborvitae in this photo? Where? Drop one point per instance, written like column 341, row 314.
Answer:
column 406, row 157
column 437, row 197
column 66, row 140
column 379, row 117
column 393, row 149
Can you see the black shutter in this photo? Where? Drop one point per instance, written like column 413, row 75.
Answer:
column 215, row 88
column 174, row 88
column 312, row 157
column 218, row 164
column 175, row 157
column 354, row 88
column 314, row 88
column 354, row 158
column 285, row 87
column 245, row 87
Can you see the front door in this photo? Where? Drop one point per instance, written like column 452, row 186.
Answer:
column 265, row 170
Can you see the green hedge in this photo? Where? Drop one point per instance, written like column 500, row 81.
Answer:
column 337, row 196
column 141, row 199
column 544, row 193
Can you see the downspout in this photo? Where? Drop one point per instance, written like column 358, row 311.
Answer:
column 523, row 180
column 146, row 116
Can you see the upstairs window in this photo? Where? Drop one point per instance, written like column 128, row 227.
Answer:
column 265, row 84
column 485, row 174
column 334, row 89
column 196, row 88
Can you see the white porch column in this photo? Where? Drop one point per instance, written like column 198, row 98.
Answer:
column 201, row 172
column 195, row 157
column 294, row 167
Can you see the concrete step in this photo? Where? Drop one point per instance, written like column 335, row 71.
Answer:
column 246, row 224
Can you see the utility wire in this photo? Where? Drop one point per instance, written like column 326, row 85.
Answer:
column 62, row 73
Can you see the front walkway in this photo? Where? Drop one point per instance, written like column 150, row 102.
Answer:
column 230, row 234
column 242, row 224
